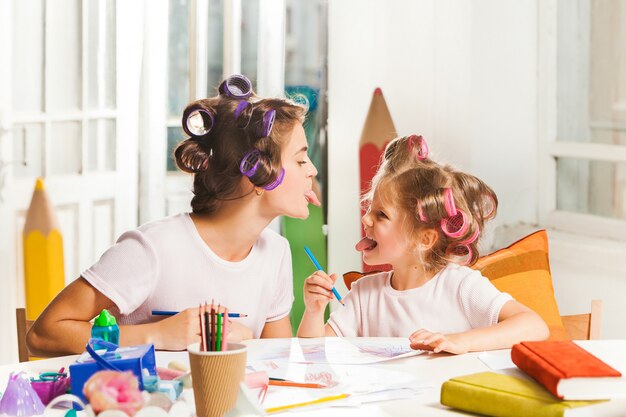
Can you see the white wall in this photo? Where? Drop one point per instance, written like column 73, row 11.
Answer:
column 463, row 74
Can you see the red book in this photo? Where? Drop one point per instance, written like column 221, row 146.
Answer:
column 568, row 371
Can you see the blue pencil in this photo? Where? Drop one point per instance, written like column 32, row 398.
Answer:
column 319, row 268
column 171, row 313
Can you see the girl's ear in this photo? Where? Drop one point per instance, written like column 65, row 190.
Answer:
column 427, row 239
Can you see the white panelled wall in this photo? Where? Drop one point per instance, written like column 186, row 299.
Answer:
column 465, row 75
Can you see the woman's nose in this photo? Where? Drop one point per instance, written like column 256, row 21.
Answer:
column 313, row 172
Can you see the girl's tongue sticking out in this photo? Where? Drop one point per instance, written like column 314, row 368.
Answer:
column 365, row 244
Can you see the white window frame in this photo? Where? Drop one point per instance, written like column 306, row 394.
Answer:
column 550, row 149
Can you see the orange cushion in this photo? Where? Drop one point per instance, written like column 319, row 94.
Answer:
column 523, row 270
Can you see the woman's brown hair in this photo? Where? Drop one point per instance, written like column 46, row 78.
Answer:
column 214, row 157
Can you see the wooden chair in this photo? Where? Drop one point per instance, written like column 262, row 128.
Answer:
column 585, row 326
column 23, row 326
column 578, row 326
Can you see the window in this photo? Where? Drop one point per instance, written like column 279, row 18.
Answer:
column 583, row 113
column 65, row 111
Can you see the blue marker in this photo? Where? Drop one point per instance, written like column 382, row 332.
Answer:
column 319, row 268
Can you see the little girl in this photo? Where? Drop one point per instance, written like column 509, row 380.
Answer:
column 425, row 220
column 249, row 160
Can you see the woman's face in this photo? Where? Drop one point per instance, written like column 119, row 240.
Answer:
column 292, row 197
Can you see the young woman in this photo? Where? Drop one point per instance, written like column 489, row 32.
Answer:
column 249, row 160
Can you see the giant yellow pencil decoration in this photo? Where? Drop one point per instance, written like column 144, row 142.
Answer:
column 44, row 277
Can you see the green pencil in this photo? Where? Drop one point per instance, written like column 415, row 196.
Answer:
column 218, row 334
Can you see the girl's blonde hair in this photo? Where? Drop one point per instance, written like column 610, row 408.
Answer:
column 416, row 188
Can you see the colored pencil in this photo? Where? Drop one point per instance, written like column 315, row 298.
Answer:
column 319, row 268
column 224, row 330
column 277, row 379
column 295, row 384
column 172, row 313
column 304, row 404
column 207, row 330
column 213, row 327
column 218, row 332
column 202, row 334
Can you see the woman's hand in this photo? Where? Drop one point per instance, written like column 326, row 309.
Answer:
column 426, row 340
column 238, row 332
column 178, row 331
column 318, row 291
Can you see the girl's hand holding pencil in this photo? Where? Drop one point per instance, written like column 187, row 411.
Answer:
column 318, row 291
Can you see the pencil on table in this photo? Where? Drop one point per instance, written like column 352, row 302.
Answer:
column 295, row 384
column 304, row 404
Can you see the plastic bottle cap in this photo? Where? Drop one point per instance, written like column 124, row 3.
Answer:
column 104, row 319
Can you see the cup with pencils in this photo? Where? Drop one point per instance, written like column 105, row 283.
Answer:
column 217, row 367
column 215, row 376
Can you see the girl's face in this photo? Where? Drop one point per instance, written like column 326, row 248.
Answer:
column 292, row 197
column 385, row 241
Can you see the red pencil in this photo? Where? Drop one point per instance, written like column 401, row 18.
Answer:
column 213, row 330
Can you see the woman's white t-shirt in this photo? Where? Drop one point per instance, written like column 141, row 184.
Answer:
column 457, row 299
column 165, row 265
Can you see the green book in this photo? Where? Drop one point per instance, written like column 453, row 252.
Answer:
column 501, row 395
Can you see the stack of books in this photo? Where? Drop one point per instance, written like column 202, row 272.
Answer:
column 565, row 378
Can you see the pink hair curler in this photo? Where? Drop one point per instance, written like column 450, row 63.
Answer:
column 456, row 224
column 417, row 144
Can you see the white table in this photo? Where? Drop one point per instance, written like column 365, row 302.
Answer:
column 436, row 368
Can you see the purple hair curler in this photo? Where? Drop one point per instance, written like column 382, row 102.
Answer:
column 242, row 120
column 279, row 179
column 236, row 86
column 250, row 163
column 199, row 122
column 268, row 123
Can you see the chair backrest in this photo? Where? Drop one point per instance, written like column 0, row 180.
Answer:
column 578, row 326
column 350, row 277
column 585, row 326
column 23, row 326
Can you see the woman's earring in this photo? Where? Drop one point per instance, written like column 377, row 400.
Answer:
column 258, row 191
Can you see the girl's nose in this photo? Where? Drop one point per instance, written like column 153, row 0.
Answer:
column 366, row 220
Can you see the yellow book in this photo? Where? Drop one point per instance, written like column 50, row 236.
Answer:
column 499, row 395
column 44, row 275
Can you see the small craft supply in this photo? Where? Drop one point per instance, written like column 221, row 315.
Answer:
column 105, row 328
column 307, row 403
column 107, row 390
column 20, row 399
column 319, row 268
column 50, row 385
